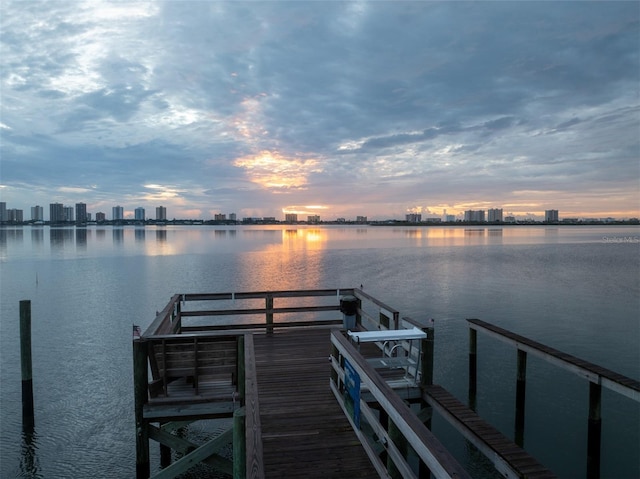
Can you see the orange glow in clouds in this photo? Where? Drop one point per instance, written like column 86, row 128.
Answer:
column 272, row 170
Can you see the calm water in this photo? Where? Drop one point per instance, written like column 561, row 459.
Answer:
column 573, row 288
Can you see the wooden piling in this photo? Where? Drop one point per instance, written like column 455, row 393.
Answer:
column 269, row 307
column 473, row 367
column 427, row 357
column 520, row 396
column 594, row 431
column 140, row 384
column 28, row 418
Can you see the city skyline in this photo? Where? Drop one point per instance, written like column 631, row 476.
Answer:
column 323, row 109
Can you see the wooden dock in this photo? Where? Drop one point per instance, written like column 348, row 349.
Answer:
column 308, row 399
column 305, row 434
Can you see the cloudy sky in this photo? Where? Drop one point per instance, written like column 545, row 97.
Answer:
column 331, row 108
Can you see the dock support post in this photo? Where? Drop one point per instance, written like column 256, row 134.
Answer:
column 473, row 367
column 400, row 442
column 140, row 384
column 269, row 307
column 520, row 396
column 239, row 445
column 427, row 357
column 594, row 431
column 165, row 456
column 28, row 420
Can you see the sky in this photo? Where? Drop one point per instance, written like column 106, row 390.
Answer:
column 339, row 109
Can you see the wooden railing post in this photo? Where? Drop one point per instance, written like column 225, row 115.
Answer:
column 140, row 384
column 473, row 367
column 521, row 384
column 269, row 307
column 240, row 369
column 594, row 431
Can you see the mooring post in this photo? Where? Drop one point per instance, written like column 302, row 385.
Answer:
column 594, row 431
column 473, row 367
column 239, row 444
column 520, row 396
column 269, row 307
column 140, row 384
column 28, row 419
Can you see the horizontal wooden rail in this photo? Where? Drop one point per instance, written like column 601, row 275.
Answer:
column 439, row 461
column 263, row 294
column 249, row 311
column 596, row 374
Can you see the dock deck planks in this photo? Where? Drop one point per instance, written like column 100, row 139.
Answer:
column 305, row 434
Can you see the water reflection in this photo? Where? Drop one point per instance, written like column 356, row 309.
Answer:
column 37, row 235
column 161, row 235
column 118, row 235
column 81, row 238
column 29, row 466
column 58, row 237
column 140, row 234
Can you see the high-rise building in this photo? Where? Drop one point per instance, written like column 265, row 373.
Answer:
column 37, row 213
column 474, row 216
column 3, row 211
column 15, row 216
column 56, row 213
column 313, row 219
column 291, row 218
column 361, row 219
column 232, row 217
column 413, row 218
column 139, row 213
column 81, row 213
column 68, row 213
column 100, row 217
column 551, row 216
column 495, row 215
column 220, row 217
column 161, row 213
column 117, row 213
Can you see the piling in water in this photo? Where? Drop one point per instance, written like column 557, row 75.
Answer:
column 28, row 420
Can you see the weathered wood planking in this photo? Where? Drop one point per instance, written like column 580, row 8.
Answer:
column 304, row 431
column 509, row 459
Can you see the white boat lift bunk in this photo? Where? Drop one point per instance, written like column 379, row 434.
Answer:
column 398, row 350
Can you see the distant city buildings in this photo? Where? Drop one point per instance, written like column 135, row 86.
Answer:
column 139, row 214
column 361, row 219
column 161, row 213
column 37, row 213
column 313, row 219
column 81, row 213
column 474, row 216
column 68, row 214
column 413, row 218
column 551, row 216
column 56, row 213
column 117, row 213
column 494, row 215
column 101, row 217
column 3, row 211
column 291, row 218
column 220, row 217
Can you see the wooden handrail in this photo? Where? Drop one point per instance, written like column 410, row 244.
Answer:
column 439, row 461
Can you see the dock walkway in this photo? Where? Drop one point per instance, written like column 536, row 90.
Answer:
column 304, row 431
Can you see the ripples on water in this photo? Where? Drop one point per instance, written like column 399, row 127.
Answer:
column 566, row 287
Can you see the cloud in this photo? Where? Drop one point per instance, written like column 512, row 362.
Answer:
column 358, row 105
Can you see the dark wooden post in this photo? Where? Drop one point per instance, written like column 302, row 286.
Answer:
column 240, row 370
column 473, row 366
column 520, row 396
column 269, row 307
column 239, row 445
column 140, row 384
column 28, row 419
column 594, row 431
column 427, row 357
column 165, row 456
column 358, row 315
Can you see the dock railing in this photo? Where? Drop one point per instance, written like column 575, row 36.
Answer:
column 394, row 425
column 597, row 376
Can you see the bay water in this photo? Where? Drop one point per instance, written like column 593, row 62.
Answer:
column 575, row 288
